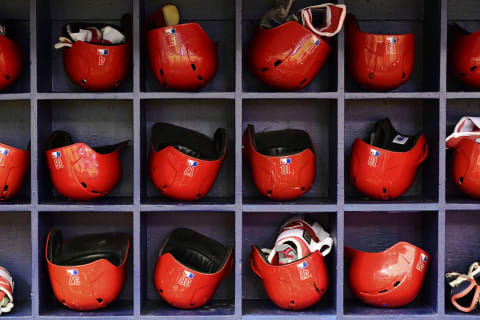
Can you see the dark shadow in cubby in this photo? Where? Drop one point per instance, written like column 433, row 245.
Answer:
column 96, row 123
column 261, row 229
column 408, row 117
column 319, row 119
column 155, row 226
column 205, row 116
column 375, row 232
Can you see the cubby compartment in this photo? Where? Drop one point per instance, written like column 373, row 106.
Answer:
column 253, row 11
column 155, row 227
column 75, row 224
column 422, row 18
column 318, row 118
column 456, row 109
column 378, row 231
column 95, row 123
column 217, row 19
column 15, row 132
column 466, row 14
column 461, row 250
column 408, row 117
column 52, row 15
column 204, row 116
column 16, row 253
column 18, row 14
column 261, row 229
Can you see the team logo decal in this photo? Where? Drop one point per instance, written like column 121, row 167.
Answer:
column 3, row 156
column 57, row 159
column 421, row 263
column 190, row 170
column 373, row 158
column 101, row 56
column 285, row 165
column 186, row 279
column 391, row 44
column 73, row 277
column 303, row 271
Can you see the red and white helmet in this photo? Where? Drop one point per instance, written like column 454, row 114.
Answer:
column 293, row 273
column 6, row 291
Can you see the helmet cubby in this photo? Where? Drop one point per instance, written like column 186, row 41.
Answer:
column 318, row 119
column 417, row 228
column 73, row 224
column 52, row 16
column 95, row 123
column 261, row 229
column 218, row 22
column 156, row 227
column 416, row 116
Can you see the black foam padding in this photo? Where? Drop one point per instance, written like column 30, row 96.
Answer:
column 60, row 139
column 189, row 142
column 196, row 251
column 280, row 142
column 87, row 248
column 385, row 133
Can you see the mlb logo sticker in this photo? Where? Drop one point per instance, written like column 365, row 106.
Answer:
column 188, row 274
column 186, row 279
column 102, row 52
column 190, row 170
column 285, row 161
column 303, row 272
column 4, row 151
column 391, row 42
column 56, row 154
column 57, row 159
column 3, row 155
column 375, row 153
column 424, row 257
column 192, row 163
column 285, row 165
column 172, row 37
column 316, row 41
column 72, row 272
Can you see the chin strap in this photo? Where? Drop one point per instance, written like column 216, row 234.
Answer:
column 455, row 280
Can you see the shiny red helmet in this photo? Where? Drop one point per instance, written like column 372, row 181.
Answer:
column 95, row 66
column 80, row 172
column 391, row 278
column 190, row 267
column 463, row 56
column 13, row 167
column 466, row 167
column 87, row 272
column 378, row 61
column 182, row 56
column 288, row 56
column 10, row 57
column 386, row 167
column 282, row 163
column 184, row 163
